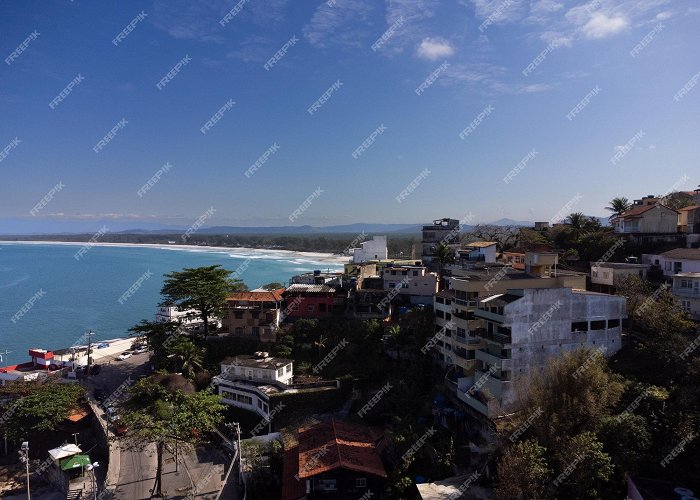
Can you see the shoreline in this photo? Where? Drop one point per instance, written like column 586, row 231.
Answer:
column 320, row 257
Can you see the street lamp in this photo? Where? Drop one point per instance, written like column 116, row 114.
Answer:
column 24, row 458
column 89, row 334
column 93, row 482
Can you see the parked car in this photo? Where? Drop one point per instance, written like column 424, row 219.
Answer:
column 111, row 414
column 140, row 350
column 120, row 429
column 124, row 355
column 96, row 369
column 99, row 394
column 102, row 345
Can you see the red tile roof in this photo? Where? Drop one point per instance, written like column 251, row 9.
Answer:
column 636, row 211
column 292, row 488
column 691, row 207
column 337, row 445
column 254, row 296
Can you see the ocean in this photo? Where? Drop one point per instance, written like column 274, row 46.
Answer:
column 48, row 298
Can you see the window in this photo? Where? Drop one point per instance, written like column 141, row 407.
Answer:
column 259, row 404
column 256, row 315
column 613, row 323
column 579, row 326
column 244, row 399
column 598, row 325
column 310, row 308
column 448, row 316
column 256, row 331
column 289, row 368
column 594, row 273
column 325, row 484
column 239, row 331
column 667, row 266
column 280, row 372
column 322, row 308
column 360, row 482
column 685, row 304
column 415, row 273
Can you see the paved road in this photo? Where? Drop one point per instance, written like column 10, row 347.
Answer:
column 201, row 468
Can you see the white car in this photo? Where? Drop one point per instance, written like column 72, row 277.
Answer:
column 123, row 356
column 140, row 350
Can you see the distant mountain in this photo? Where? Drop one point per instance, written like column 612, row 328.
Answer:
column 511, row 222
column 345, row 228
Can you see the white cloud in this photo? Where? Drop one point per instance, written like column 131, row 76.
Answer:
column 434, row 48
column 331, row 23
column 662, row 16
column 601, row 25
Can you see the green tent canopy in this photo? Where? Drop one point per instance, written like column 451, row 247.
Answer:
column 75, row 461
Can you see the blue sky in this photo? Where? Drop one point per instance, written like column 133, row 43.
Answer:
column 477, row 50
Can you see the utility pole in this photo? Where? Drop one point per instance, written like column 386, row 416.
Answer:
column 5, row 352
column 75, row 437
column 24, row 457
column 89, row 334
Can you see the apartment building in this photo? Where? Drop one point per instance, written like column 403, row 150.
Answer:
column 524, row 328
column 686, row 288
column 445, row 231
column 483, row 281
column 255, row 314
column 678, row 260
column 414, row 283
column 247, row 382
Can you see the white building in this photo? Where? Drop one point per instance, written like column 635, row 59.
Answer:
column 413, row 282
column 686, row 288
column 606, row 276
column 525, row 328
column 189, row 318
column 374, row 249
column 678, row 260
column 248, row 381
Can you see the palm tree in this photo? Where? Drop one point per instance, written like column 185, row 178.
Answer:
column 445, row 255
column 618, row 206
column 396, row 338
column 321, row 343
column 576, row 222
column 188, row 357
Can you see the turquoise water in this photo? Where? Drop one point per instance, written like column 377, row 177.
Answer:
column 72, row 296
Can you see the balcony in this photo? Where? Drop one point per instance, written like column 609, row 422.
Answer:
column 500, row 338
column 500, row 362
column 686, row 292
column 467, row 341
column 473, row 403
column 488, row 315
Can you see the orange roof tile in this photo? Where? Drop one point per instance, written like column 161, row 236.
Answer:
column 254, row 296
column 337, row 445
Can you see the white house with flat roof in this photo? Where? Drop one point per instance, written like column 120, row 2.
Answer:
column 374, row 249
column 247, row 382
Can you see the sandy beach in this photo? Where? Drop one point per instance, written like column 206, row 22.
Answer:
column 325, row 258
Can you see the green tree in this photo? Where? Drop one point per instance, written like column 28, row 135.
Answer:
column 627, row 439
column 575, row 392
column 583, row 467
column 203, row 288
column 618, row 206
column 187, row 356
column 164, row 409
column 156, row 335
column 678, row 200
column 522, row 472
column 41, row 407
column 272, row 286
